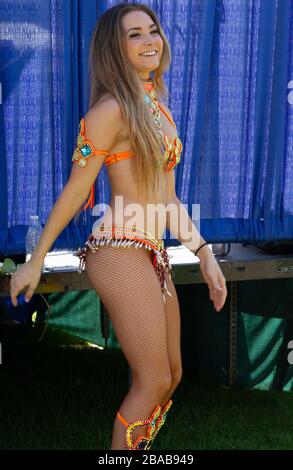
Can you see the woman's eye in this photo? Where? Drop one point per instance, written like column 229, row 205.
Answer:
column 137, row 34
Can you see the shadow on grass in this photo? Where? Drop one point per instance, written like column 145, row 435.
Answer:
column 63, row 394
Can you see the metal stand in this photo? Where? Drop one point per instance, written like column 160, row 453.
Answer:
column 232, row 372
column 105, row 323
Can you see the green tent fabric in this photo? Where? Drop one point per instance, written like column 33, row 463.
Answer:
column 78, row 313
column 264, row 329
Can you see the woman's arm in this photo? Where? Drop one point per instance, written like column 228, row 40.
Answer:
column 181, row 226
column 102, row 123
column 178, row 221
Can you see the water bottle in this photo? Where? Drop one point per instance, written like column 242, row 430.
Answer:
column 220, row 249
column 32, row 236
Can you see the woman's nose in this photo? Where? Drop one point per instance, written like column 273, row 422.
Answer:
column 148, row 39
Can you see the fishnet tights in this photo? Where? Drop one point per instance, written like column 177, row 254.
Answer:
column 147, row 329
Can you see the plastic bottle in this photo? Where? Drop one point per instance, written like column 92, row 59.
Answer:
column 220, row 249
column 32, row 236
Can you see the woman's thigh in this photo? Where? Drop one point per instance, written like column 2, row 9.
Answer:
column 126, row 282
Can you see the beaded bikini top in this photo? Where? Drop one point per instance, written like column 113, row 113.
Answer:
column 171, row 149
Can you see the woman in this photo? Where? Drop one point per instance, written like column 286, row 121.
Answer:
column 130, row 130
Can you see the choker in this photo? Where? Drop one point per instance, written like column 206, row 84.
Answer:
column 146, row 79
column 148, row 83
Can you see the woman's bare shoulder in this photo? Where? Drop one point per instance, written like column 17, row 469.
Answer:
column 103, row 123
column 108, row 110
column 107, row 102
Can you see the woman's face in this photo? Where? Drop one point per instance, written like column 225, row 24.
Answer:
column 142, row 35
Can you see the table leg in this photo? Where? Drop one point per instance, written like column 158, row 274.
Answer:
column 232, row 373
column 105, row 322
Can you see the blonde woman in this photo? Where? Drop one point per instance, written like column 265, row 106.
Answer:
column 131, row 131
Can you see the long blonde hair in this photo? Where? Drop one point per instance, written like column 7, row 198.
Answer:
column 111, row 72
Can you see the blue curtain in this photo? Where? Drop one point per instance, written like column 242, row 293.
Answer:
column 231, row 95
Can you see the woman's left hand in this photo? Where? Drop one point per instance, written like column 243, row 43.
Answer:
column 215, row 280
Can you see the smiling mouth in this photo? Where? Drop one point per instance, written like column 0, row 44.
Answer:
column 149, row 55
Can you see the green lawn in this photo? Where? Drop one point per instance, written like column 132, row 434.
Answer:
column 63, row 394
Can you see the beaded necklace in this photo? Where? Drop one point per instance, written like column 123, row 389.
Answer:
column 151, row 100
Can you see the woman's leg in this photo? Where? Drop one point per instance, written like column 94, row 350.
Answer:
column 126, row 282
column 173, row 325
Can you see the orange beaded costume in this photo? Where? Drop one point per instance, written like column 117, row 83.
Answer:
column 126, row 236
column 120, row 236
column 85, row 149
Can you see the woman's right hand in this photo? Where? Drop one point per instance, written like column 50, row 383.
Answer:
column 27, row 275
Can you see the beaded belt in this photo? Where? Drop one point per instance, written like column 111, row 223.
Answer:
column 121, row 236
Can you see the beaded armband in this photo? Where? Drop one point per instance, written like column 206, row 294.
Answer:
column 84, row 147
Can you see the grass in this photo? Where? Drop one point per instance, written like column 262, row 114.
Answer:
column 63, row 394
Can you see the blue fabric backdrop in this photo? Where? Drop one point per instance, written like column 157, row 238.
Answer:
column 231, row 95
